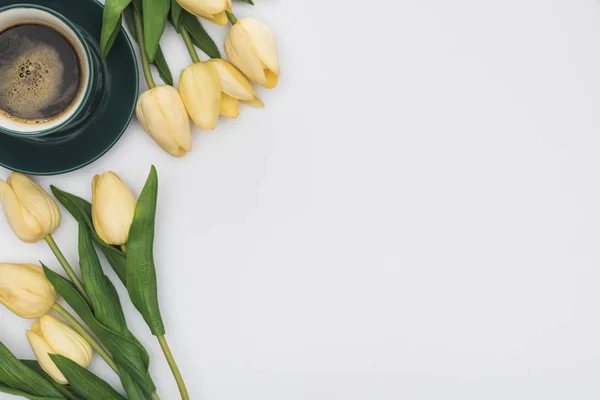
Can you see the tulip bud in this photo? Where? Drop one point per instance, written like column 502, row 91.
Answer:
column 113, row 207
column 25, row 290
column 50, row 336
column 250, row 45
column 29, row 210
column 200, row 87
column 162, row 114
column 212, row 10
column 235, row 88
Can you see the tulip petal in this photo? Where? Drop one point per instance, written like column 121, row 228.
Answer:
column 256, row 102
column 38, row 204
column 113, row 206
column 203, row 8
column 240, row 50
column 163, row 116
column 41, row 349
column 66, row 341
column 22, row 223
column 25, row 290
column 229, row 106
column 233, row 82
column 265, row 44
column 200, row 87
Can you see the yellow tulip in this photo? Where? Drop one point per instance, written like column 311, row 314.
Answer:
column 50, row 336
column 235, row 88
column 162, row 114
column 200, row 87
column 30, row 211
column 211, row 10
column 25, row 290
column 113, row 207
column 251, row 46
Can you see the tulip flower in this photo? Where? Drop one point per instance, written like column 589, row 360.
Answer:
column 50, row 336
column 235, row 88
column 113, row 207
column 200, row 86
column 212, row 10
column 250, row 46
column 25, row 290
column 30, row 211
column 163, row 116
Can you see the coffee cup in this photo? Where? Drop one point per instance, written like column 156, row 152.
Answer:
column 46, row 72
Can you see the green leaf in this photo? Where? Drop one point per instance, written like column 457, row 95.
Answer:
column 154, row 15
column 81, row 210
column 111, row 24
column 141, row 272
column 105, row 301
column 247, row 1
column 176, row 14
column 160, row 62
column 15, row 392
column 34, row 365
column 82, row 381
column 199, row 36
column 17, row 375
column 127, row 352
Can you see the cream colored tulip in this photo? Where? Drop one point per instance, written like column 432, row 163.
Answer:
column 235, row 88
column 30, row 211
column 200, row 87
column 25, row 290
column 162, row 114
column 113, row 207
column 51, row 336
column 211, row 10
column 251, row 46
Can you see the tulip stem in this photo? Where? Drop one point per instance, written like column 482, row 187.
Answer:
column 190, row 45
column 139, row 31
column 67, row 267
column 174, row 368
column 232, row 18
column 60, row 310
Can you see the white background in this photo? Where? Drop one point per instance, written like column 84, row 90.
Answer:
column 414, row 215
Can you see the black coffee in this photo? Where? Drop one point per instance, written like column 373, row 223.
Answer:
column 40, row 73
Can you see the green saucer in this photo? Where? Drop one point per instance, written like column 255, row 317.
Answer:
column 111, row 110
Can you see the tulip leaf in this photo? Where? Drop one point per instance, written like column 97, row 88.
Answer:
column 111, row 24
column 16, row 375
column 34, row 365
column 20, row 393
column 141, row 272
column 199, row 36
column 154, row 15
column 81, row 210
column 176, row 14
column 105, row 300
column 82, row 381
column 160, row 62
column 247, row 1
column 127, row 352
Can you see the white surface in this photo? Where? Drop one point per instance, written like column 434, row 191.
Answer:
column 415, row 215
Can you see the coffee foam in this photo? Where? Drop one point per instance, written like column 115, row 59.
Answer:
column 32, row 82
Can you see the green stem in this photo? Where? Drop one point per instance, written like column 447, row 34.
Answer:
column 139, row 31
column 190, row 45
column 60, row 310
column 232, row 18
column 67, row 267
column 155, row 396
column 174, row 368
